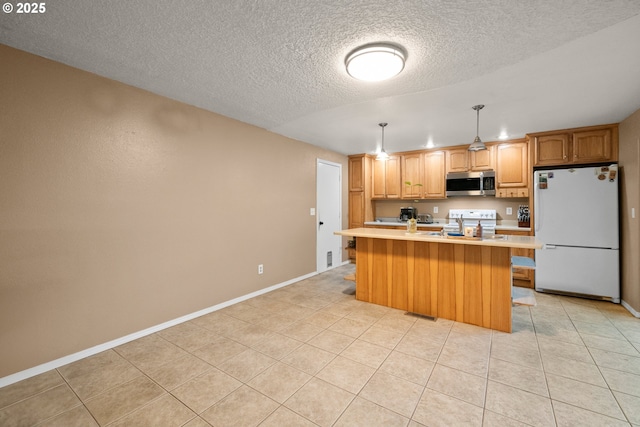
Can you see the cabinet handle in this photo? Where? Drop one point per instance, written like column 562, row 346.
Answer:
column 564, row 157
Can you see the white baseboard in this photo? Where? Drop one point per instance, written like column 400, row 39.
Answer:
column 631, row 310
column 36, row 370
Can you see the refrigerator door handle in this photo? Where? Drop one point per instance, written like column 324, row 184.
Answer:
column 536, row 202
column 549, row 246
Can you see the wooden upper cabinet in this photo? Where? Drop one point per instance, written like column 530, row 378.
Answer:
column 411, row 166
column 356, row 173
column 458, row 160
column 386, row 178
column 512, row 170
column 434, row 175
column 393, row 177
column 482, row 160
column 463, row 160
column 597, row 144
column 551, row 149
column 360, row 208
column 379, row 179
column 593, row 146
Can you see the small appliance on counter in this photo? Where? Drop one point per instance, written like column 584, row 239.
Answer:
column 424, row 218
column 407, row 213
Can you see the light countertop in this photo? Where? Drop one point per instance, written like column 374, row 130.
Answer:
column 525, row 242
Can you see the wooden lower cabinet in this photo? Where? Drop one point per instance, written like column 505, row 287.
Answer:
column 523, row 277
column 466, row 283
column 356, row 209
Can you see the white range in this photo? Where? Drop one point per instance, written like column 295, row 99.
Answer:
column 470, row 218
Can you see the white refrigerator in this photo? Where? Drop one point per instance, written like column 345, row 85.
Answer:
column 576, row 218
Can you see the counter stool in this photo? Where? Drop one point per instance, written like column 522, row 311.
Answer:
column 522, row 296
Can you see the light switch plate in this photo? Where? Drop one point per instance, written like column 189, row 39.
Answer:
column 435, row 209
column 312, row 211
column 509, row 211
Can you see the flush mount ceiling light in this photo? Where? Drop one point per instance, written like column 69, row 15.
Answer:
column 477, row 144
column 382, row 155
column 373, row 63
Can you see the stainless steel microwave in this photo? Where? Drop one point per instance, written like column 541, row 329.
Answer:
column 471, row 183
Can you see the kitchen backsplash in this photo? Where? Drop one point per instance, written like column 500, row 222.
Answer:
column 391, row 208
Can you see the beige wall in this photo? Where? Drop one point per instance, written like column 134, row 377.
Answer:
column 630, row 198
column 121, row 209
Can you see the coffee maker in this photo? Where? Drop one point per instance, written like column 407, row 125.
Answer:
column 407, row 213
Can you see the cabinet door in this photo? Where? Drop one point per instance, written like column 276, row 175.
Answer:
column 458, row 160
column 356, row 173
column 356, row 209
column 412, row 172
column 482, row 160
column 512, row 165
column 378, row 189
column 434, row 175
column 393, row 189
column 386, row 178
column 592, row 146
column 551, row 150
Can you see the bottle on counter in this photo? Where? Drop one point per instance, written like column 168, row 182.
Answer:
column 412, row 225
column 479, row 230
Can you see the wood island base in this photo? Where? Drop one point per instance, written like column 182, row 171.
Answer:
column 465, row 283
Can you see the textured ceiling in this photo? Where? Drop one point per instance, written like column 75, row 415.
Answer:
column 279, row 64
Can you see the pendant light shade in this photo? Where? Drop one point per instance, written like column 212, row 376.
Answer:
column 477, row 144
column 382, row 155
column 374, row 63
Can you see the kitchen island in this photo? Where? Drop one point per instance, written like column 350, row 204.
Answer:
column 463, row 279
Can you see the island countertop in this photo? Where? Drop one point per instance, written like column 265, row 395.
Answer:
column 502, row 240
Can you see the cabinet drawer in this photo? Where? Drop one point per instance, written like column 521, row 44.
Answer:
column 512, row 192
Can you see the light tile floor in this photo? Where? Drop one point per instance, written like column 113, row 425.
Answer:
column 310, row 354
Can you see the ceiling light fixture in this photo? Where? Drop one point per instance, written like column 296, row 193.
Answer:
column 477, row 144
column 382, row 155
column 374, row 63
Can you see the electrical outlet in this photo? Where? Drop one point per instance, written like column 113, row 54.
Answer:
column 260, row 269
column 312, row 211
column 435, row 209
column 509, row 211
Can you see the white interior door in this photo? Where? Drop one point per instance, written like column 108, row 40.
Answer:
column 328, row 215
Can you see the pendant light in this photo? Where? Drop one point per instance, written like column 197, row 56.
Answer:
column 477, row 144
column 382, row 155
